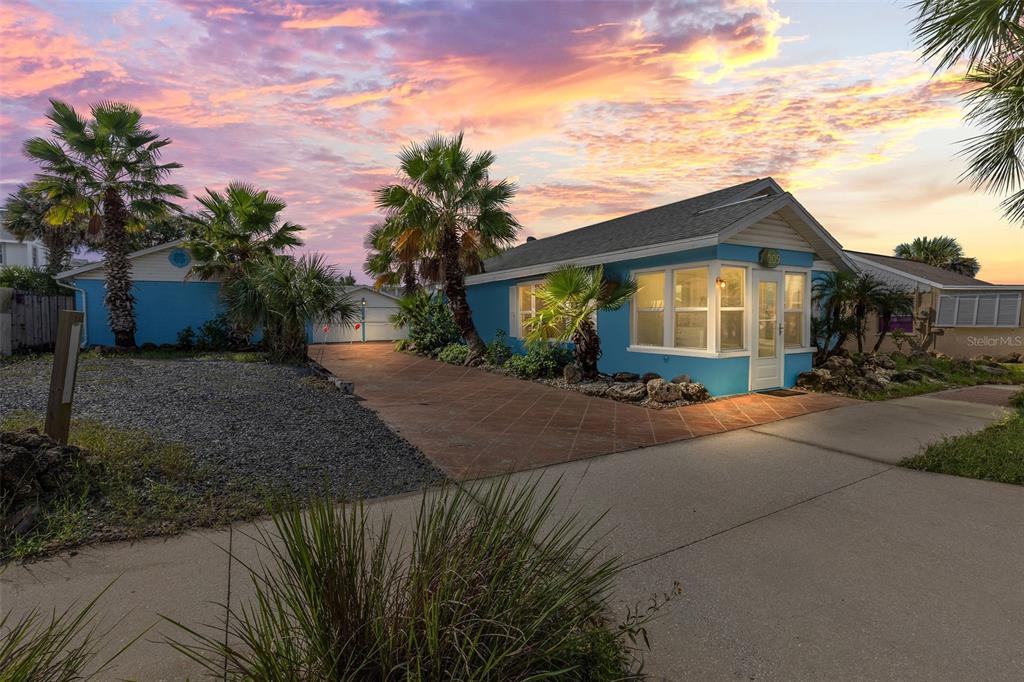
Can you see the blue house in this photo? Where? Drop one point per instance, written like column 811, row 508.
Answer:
column 725, row 286
column 166, row 300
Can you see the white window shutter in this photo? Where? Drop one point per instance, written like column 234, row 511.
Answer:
column 946, row 315
column 987, row 310
column 966, row 306
column 1009, row 310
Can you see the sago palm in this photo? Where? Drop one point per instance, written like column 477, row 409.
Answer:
column 446, row 192
column 570, row 298
column 105, row 169
column 236, row 227
column 987, row 38
column 24, row 216
column 942, row 252
column 283, row 296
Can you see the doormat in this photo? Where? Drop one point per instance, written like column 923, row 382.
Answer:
column 782, row 393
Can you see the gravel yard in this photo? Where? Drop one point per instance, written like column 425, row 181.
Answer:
column 272, row 424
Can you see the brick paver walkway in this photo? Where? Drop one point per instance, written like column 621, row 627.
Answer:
column 986, row 395
column 473, row 423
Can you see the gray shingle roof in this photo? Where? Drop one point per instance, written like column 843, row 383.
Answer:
column 678, row 220
column 922, row 270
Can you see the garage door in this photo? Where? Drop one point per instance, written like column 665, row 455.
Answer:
column 375, row 325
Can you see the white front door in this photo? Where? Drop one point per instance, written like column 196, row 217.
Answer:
column 767, row 354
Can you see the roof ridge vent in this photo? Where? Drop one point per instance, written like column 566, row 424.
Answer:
column 735, row 203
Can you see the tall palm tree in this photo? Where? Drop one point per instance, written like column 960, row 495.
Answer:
column 986, row 37
column 237, row 227
column 570, row 298
column 942, row 252
column 832, row 293
column 105, row 169
column 24, row 216
column 446, row 192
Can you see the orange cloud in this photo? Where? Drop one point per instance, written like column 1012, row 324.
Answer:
column 356, row 17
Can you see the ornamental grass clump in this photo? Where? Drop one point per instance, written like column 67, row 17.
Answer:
column 490, row 586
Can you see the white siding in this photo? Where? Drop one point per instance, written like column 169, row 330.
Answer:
column 21, row 253
column 773, row 232
column 152, row 267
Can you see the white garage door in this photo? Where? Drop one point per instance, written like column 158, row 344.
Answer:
column 375, row 326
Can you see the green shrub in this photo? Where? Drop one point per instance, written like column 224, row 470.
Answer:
column 498, row 350
column 402, row 345
column 186, row 339
column 543, row 360
column 430, row 322
column 492, row 586
column 454, row 354
column 216, row 335
column 29, row 279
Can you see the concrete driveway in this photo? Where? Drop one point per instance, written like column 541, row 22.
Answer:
column 802, row 552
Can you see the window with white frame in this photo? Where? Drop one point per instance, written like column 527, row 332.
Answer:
column 690, row 308
column 793, row 314
column 650, row 309
column 526, row 308
column 979, row 310
column 732, row 287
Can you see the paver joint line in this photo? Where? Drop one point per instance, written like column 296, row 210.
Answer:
column 658, row 555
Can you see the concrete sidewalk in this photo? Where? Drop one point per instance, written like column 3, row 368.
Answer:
column 802, row 553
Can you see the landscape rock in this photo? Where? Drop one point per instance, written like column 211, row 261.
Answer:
column 1011, row 358
column 572, row 373
column 993, row 370
column 814, row 378
column 650, row 376
column 661, row 391
column 837, row 364
column 627, row 391
column 931, row 372
column 32, row 466
column 907, row 375
column 694, row 392
column 880, row 360
column 681, row 379
column 622, row 377
column 597, row 389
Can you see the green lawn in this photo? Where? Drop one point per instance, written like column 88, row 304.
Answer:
column 131, row 486
column 994, row 454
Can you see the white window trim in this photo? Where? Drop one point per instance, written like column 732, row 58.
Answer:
column 974, row 321
column 714, row 270
column 745, row 308
column 805, row 332
column 671, row 309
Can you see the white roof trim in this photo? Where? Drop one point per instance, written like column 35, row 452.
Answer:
column 99, row 264
column 357, row 287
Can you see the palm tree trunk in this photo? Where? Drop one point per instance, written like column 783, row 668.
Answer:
column 409, row 283
column 859, row 316
column 588, row 349
column 59, row 253
column 119, row 300
column 455, row 291
column 886, row 319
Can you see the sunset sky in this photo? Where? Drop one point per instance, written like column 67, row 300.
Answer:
column 596, row 109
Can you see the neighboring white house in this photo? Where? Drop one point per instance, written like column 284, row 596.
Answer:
column 30, row 253
column 374, row 323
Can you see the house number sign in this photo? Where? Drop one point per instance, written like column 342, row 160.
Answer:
column 770, row 258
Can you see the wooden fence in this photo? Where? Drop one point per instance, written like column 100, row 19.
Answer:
column 28, row 322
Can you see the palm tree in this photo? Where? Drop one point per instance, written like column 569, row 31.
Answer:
column 832, row 293
column 446, row 192
column 237, row 227
column 392, row 255
column 283, row 296
column 987, row 38
column 888, row 304
column 570, row 298
column 864, row 297
column 24, row 216
column 942, row 252
column 106, row 170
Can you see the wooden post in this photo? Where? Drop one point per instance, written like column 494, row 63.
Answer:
column 65, row 369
